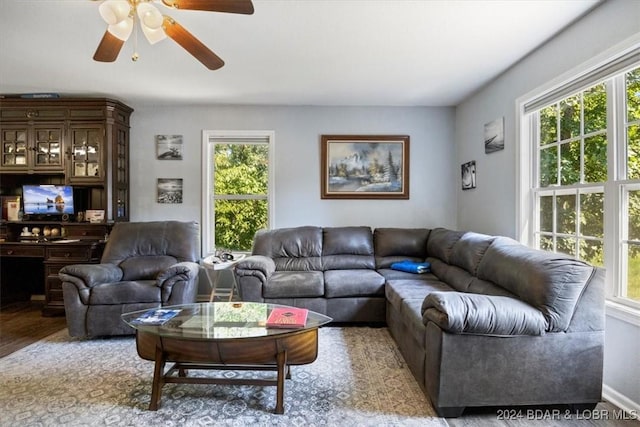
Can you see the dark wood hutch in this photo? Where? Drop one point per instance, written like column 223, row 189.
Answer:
column 81, row 142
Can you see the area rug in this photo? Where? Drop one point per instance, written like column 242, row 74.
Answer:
column 359, row 379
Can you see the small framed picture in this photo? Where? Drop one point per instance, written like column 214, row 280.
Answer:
column 94, row 216
column 494, row 136
column 169, row 147
column 469, row 175
column 169, row 190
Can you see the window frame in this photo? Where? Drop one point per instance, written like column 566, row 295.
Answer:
column 604, row 67
column 209, row 140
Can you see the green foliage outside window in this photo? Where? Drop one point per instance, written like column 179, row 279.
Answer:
column 573, row 151
column 241, row 181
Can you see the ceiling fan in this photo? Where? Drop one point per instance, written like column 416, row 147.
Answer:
column 120, row 17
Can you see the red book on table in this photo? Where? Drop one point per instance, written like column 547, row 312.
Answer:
column 287, row 317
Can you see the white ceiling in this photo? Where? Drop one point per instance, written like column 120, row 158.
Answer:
column 289, row 52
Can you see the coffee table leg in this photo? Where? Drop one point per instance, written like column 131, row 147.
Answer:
column 158, row 380
column 282, row 366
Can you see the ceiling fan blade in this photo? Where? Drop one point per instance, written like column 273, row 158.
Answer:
column 109, row 48
column 231, row 6
column 191, row 44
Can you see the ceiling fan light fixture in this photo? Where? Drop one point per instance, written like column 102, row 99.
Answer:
column 153, row 35
column 123, row 29
column 149, row 16
column 114, row 11
column 151, row 22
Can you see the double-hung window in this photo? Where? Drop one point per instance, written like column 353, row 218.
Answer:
column 237, row 188
column 582, row 180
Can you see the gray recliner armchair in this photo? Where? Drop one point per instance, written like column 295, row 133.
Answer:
column 144, row 265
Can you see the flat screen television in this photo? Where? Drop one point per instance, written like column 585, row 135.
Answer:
column 47, row 199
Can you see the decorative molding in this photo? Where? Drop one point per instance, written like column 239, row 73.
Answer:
column 621, row 401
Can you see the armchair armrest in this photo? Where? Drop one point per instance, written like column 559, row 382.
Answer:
column 89, row 275
column 466, row 313
column 258, row 266
column 182, row 271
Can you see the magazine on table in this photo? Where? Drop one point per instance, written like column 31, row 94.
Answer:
column 287, row 317
column 156, row 316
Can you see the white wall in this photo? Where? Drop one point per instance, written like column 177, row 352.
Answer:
column 297, row 160
column 491, row 207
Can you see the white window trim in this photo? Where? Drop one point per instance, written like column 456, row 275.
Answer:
column 525, row 197
column 207, row 229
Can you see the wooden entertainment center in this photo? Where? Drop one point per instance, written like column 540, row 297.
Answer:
column 78, row 142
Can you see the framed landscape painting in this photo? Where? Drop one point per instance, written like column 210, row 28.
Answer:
column 364, row 167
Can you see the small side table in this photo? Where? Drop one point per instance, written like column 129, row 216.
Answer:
column 212, row 267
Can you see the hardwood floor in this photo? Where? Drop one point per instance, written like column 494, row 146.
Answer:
column 22, row 323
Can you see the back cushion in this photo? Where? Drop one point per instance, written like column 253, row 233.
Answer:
column 177, row 239
column 549, row 281
column 347, row 248
column 398, row 244
column 468, row 251
column 145, row 267
column 292, row 249
column 441, row 241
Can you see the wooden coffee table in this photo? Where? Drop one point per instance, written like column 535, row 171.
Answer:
column 224, row 336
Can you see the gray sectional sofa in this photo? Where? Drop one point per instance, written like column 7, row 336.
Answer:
column 494, row 323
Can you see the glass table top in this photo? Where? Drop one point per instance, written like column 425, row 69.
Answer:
column 217, row 320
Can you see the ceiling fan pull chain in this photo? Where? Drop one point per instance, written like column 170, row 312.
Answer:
column 135, row 55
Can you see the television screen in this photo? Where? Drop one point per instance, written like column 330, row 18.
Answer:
column 47, row 199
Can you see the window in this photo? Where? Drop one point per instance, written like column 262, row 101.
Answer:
column 582, row 183
column 238, row 193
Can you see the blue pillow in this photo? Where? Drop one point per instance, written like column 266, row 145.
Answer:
column 412, row 267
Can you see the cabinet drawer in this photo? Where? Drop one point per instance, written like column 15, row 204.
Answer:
column 18, row 250
column 69, row 253
column 54, row 284
column 86, row 231
column 34, row 113
column 51, row 270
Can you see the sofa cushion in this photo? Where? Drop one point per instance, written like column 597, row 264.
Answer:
column 294, row 284
column 292, row 249
column 398, row 290
column 125, row 292
column 347, row 248
column 458, row 278
column 350, row 283
column 441, row 242
column 468, row 250
column 549, row 281
column 399, row 244
column 390, row 274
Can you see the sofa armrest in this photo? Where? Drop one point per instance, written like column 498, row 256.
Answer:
column 258, row 266
column 466, row 313
column 89, row 275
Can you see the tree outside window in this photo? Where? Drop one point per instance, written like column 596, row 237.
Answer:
column 575, row 176
column 237, row 173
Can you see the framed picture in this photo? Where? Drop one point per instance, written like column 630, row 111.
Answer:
column 469, row 175
column 169, row 190
column 364, row 167
column 169, row 147
column 10, row 208
column 94, row 215
column 494, row 136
